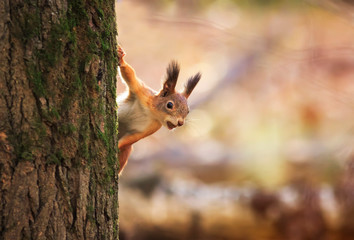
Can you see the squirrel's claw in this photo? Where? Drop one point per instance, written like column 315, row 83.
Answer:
column 121, row 54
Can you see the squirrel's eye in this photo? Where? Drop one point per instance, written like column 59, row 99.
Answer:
column 169, row 105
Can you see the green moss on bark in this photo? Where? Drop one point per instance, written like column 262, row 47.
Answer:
column 64, row 120
column 72, row 75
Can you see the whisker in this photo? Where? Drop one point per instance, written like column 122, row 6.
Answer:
column 193, row 127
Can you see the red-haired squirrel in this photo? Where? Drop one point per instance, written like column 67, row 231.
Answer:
column 142, row 111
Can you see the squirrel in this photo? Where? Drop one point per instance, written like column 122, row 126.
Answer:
column 142, row 111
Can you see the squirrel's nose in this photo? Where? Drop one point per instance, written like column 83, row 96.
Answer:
column 180, row 122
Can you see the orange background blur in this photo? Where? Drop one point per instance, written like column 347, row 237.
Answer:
column 267, row 149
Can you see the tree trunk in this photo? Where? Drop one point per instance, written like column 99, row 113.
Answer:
column 58, row 120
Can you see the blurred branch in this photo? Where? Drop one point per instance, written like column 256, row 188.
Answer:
column 235, row 73
column 190, row 22
column 237, row 70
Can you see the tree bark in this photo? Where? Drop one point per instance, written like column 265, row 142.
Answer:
column 58, row 120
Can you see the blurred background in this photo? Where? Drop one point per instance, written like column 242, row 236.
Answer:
column 268, row 148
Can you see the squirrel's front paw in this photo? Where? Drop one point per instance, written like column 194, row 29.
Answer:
column 121, row 54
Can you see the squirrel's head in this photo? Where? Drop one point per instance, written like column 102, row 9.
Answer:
column 171, row 106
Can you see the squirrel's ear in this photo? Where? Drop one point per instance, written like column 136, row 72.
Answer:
column 190, row 85
column 171, row 79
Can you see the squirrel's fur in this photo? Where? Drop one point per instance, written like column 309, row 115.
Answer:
column 142, row 111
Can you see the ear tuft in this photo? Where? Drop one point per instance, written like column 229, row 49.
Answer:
column 173, row 71
column 171, row 78
column 191, row 83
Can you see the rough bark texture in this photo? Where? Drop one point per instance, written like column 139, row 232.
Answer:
column 58, row 121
